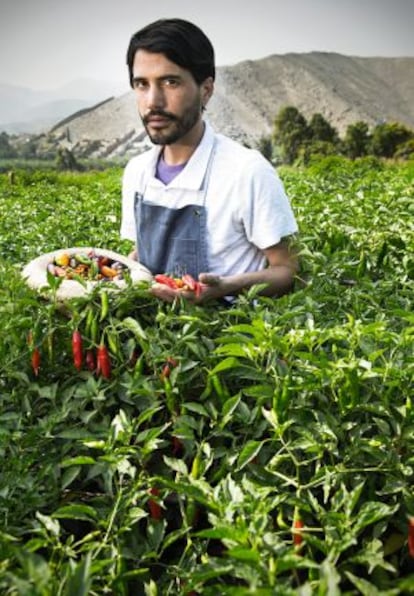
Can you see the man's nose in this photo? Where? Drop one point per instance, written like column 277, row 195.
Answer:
column 155, row 97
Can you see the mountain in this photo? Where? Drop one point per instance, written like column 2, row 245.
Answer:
column 248, row 96
column 25, row 110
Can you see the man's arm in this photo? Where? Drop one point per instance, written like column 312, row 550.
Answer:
column 278, row 276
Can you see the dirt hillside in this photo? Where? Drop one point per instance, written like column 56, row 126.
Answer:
column 248, row 95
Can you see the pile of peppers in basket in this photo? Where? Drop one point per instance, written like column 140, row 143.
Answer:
column 184, row 283
column 88, row 266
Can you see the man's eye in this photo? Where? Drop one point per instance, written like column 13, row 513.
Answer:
column 139, row 84
column 171, row 82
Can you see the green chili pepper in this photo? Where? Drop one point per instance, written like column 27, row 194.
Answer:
column 104, row 305
column 83, row 259
column 89, row 320
column 195, row 468
column 113, row 344
column 94, row 332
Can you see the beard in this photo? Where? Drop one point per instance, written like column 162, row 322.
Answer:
column 178, row 126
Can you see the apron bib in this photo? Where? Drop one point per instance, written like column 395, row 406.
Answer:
column 173, row 241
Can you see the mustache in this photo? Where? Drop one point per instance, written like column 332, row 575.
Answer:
column 148, row 115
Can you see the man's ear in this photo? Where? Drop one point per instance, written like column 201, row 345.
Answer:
column 207, row 89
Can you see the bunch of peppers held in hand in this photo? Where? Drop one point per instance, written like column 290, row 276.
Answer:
column 184, row 283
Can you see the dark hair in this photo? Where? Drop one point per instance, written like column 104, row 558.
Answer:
column 180, row 41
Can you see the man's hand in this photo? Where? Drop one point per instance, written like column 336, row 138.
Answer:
column 207, row 287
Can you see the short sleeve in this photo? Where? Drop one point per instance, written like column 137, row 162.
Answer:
column 266, row 211
column 128, row 230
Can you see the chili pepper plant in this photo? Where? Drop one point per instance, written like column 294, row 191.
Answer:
column 264, row 448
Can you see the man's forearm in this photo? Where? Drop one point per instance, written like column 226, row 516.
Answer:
column 278, row 279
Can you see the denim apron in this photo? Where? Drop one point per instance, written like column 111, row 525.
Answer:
column 173, row 241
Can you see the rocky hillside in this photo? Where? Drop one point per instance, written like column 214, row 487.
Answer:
column 248, row 96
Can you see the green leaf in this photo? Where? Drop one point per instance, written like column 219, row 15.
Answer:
column 76, row 511
column 195, row 407
column 132, row 325
column 230, row 405
column 75, row 433
column 363, row 586
column 230, row 533
column 226, row 364
column 80, row 578
column 244, row 554
column 174, row 536
column 372, row 512
column 231, row 349
column 49, row 523
column 208, row 571
column 80, row 460
column 177, row 465
column 249, row 452
column 69, row 475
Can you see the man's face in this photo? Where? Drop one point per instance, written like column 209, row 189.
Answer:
column 169, row 100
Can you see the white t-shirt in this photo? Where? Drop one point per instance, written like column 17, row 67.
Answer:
column 247, row 208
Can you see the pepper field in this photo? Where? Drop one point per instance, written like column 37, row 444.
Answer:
column 262, row 449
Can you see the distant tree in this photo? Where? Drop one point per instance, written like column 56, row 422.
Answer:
column 315, row 150
column 65, row 160
column 265, row 146
column 290, row 132
column 6, row 149
column 321, row 130
column 405, row 150
column 387, row 136
column 28, row 150
column 357, row 140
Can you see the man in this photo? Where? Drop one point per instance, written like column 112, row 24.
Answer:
column 198, row 202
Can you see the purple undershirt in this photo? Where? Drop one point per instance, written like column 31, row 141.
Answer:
column 166, row 173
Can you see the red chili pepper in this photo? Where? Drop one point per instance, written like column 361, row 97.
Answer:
column 168, row 366
column 165, row 373
column 297, row 531
column 154, row 507
column 189, row 281
column 36, row 361
column 104, row 361
column 77, row 349
column 191, row 284
column 90, row 360
column 166, row 280
column 198, row 288
column 411, row 536
column 177, row 446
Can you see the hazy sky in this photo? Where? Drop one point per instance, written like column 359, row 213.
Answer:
column 47, row 43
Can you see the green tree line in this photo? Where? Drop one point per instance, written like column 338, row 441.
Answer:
column 295, row 139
